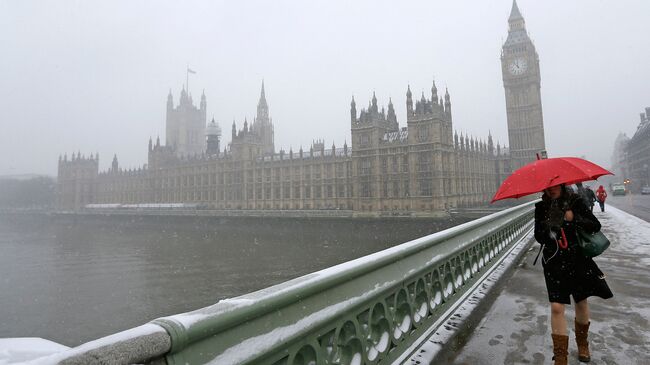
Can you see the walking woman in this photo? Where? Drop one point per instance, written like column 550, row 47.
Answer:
column 601, row 195
column 567, row 271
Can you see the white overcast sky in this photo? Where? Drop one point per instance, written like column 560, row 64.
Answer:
column 94, row 75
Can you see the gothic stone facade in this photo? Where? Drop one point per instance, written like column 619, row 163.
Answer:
column 420, row 169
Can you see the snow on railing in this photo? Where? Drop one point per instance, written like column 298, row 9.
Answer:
column 372, row 309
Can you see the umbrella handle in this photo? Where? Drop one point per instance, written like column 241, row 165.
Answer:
column 562, row 242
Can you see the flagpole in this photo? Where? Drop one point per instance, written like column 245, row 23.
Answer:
column 187, row 79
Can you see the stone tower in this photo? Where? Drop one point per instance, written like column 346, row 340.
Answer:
column 264, row 125
column 521, row 81
column 430, row 132
column 185, row 125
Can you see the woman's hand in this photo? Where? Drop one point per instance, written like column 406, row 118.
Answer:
column 568, row 215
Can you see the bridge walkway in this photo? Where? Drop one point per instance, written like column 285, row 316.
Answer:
column 516, row 329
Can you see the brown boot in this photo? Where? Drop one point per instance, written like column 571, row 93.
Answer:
column 560, row 349
column 581, row 339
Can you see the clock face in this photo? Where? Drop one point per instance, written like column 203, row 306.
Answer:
column 518, row 66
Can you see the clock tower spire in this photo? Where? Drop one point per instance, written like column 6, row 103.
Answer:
column 521, row 81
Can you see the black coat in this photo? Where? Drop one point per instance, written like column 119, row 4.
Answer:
column 567, row 271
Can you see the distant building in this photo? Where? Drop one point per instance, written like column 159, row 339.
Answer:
column 637, row 154
column 423, row 168
column 619, row 156
column 77, row 181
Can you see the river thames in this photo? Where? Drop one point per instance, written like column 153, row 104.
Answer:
column 73, row 279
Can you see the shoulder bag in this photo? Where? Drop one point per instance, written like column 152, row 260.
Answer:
column 592, row 244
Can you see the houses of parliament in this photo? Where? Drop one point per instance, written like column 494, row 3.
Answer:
column 423, row 168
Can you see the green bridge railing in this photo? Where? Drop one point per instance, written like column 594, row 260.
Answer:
column 373, row 310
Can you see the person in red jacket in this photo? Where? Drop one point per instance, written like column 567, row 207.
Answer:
column 601, row 195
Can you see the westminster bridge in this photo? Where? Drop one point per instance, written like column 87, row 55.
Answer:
column 465, row 295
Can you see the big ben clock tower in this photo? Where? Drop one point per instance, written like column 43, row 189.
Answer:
column 521, row 81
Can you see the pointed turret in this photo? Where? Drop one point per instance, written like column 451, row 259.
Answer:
column 170, row 100
column 183, row 98
column 353, row 110
column 203, row 102
column 434, row 93
column 264, row 123
column 262, row 104
column 392, row 117
column 447, row 101
column 515, row 14
column 114, row 164
column 516, row 20
column 150, row 144
column 409, row 100
column 374, row 103
column 234, row 129
column 490, row 143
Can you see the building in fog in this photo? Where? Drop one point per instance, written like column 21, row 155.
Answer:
column 185, row 124
column 619, row 156
column 637, row 154
column 422, row 168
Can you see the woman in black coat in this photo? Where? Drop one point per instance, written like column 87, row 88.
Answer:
column 566, row 270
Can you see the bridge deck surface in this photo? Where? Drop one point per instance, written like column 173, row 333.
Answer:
column 516, row 329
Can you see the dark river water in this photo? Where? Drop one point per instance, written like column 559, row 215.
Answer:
column 74, row 279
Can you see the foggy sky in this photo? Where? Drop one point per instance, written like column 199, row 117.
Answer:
column 94, row 75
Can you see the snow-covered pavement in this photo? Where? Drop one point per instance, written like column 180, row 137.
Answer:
column 516, row 329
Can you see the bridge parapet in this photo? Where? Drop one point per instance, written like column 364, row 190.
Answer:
column 372, row 310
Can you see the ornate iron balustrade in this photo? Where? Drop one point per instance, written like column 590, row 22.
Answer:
column 372, row 310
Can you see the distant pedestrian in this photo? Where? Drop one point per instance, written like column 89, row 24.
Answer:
column 567, row 271
column 601, row 195
column 590, row 197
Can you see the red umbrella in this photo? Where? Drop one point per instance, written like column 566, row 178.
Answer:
column 542, row 174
